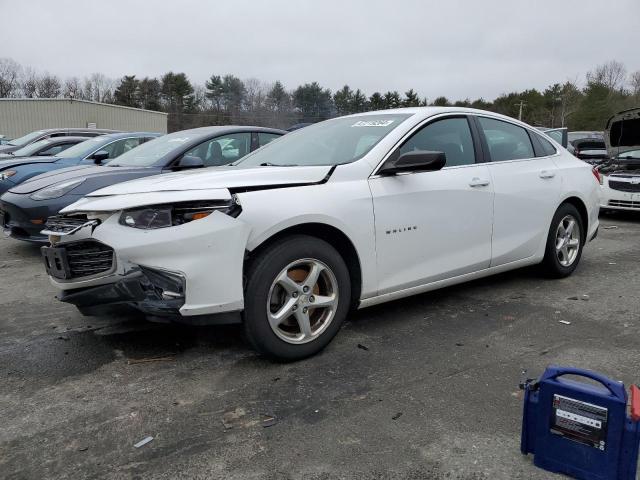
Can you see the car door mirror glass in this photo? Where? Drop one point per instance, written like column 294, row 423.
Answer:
column 190, row 161
column 100, row 156
column 415, row 161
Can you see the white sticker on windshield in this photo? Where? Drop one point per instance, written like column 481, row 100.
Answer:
column 373, row 123
column 181, row 140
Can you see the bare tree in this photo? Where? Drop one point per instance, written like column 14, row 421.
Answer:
column 10, row 72
column 48, row 86
column 73, row 89
column 29, row 83
column 634, row 81
column 99, row 88
column 611, row 75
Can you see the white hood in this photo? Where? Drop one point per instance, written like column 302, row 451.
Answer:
column 194, row 185
column 217, row 177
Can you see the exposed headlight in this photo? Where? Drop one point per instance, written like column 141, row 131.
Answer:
column 6, row 174
column 56, row 190
column 162, row 216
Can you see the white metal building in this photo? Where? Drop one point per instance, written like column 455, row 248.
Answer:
column 19, row 116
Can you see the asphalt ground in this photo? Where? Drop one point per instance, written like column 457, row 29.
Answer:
column 425, row 387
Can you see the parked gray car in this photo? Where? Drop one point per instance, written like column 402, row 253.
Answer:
column 25, row 207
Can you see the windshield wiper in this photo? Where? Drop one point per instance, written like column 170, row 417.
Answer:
column 269, row 164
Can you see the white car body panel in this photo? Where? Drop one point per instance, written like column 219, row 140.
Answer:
column 421, row 245
column 516, row 226
column 463, row 231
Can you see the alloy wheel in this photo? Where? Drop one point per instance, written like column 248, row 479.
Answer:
column 567, row 240
column 302, row 301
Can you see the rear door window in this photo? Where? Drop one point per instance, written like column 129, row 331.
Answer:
column 506, row 141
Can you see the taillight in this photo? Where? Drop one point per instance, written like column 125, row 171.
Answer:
column 596, row 173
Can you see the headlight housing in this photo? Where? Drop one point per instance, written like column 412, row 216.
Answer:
column 56, row 190
column 163, row 216
column 7, row 174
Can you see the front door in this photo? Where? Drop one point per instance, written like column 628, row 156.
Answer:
column 437, row 224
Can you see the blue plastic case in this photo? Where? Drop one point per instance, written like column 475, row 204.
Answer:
column 580, row 429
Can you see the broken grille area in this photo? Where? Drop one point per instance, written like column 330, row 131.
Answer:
column 60, row 224
column 88, row 258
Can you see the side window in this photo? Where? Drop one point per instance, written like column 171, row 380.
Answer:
column 222, row 150
column 506, row 141
column 59, row 134
column 547, row 146
column 450, row 135
column 55, row 149
column 264, row 138
column 117, row 148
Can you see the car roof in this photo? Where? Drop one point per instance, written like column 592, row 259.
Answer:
column 227, row 129
column 76, row 129
column 115, row 136
column 66, row 138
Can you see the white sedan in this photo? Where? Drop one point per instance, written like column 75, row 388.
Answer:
column 350, row 212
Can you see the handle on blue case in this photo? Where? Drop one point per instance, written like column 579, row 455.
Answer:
column 615, row 388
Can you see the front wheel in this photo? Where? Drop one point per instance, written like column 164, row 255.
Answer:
column 564, row 242
column 296, row 297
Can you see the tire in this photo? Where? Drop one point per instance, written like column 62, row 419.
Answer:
column 561, row 262
column 276, row 293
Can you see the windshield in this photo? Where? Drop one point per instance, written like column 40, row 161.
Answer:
column 31, row 148
column 149, row 153
column 82, row 149
column 28, row 138
column 631, row 154
column 573, row 136
column 332, row 142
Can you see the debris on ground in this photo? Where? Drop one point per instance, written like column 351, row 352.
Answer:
column 612, row 263
column 459, row 344
column 575, row 297
column 63, row 337
column 564, row 322
column 84, row 448
column 610, row 227
column 134, row 361
column 143, row 442
column 268, row 421
column 396, row 416
column 362, row 347
column 232, row 418
column 585, row 298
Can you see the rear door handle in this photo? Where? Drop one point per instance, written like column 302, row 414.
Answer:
column 478, row 182
column 546, row 174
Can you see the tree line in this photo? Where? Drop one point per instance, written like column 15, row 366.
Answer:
column 224, row 99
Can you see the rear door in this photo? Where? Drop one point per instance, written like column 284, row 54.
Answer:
column 434, row 225
column 526, row 184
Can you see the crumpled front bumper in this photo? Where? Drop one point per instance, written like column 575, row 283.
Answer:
column 187, row 270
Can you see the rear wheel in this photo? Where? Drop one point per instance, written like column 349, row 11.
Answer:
column 564, row 242
column 296, row 297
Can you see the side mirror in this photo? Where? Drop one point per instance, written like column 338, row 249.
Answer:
column 100, row 156
column 190, row 161
column 416, row 161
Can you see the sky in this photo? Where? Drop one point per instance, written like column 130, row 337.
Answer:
column 456, row 48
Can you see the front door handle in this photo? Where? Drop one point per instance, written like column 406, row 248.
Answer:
column 478, row 182
column 546, row 174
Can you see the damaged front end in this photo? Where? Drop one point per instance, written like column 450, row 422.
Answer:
column 175, row 261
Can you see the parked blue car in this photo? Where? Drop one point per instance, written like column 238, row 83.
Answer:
column 94, row 151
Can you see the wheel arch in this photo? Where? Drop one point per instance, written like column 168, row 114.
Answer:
column 329, row 233
column 582, row 210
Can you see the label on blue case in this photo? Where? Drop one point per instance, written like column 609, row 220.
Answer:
column 579, row 421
